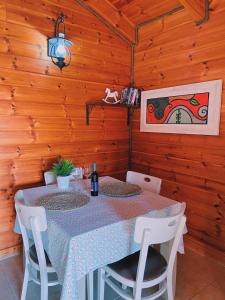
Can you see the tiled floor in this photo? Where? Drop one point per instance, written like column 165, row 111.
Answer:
column 198, row 278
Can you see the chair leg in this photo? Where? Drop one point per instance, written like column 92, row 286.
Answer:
column 137, row 294
column 170, row 289
column 101, row 284
column 44, row 287
column 25, row 282
column 90, row 286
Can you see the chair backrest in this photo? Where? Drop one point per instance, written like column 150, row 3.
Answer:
column 28, row 215
column 160, row 229
column 32, row 218
column 50, row 178
column 146, row 182
column 150, row 231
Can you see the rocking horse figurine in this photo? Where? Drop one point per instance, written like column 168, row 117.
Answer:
column 111, row 95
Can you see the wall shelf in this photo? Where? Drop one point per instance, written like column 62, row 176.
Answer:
column 91, row 104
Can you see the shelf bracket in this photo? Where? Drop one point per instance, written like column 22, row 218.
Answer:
column 89, row 108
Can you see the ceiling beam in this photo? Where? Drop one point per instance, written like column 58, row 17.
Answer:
column 196, row 8
column 113, row 16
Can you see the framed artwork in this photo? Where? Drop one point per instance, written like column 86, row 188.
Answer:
column 187, row 109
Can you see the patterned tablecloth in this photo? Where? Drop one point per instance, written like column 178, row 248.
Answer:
column 84, row 239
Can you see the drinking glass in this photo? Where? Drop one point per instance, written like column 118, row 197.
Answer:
column 87, row 171
column 77, row 173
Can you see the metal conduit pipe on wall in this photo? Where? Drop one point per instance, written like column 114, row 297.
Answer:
column 135, row 44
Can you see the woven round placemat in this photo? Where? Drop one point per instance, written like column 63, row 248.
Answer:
column 119, row 189
column 64, row 200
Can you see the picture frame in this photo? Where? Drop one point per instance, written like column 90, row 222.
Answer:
column 185, row 109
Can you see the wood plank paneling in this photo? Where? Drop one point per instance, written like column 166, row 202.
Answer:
column 141, row 10
column 114, row 17
column 196, row 8
column 175, row 51
column 42, row 110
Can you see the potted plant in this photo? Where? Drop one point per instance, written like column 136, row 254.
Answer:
column 63, row 170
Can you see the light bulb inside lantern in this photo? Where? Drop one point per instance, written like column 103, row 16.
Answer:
column 60, row 51
column 60, row 48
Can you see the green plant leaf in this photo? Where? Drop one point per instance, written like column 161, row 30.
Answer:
column 62, row 168
column 194, row 102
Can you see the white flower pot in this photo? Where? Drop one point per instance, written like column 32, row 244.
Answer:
column 63, row 182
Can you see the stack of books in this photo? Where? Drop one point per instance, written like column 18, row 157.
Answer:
column 131, row 96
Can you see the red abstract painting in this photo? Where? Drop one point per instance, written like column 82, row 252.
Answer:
column 181, row 109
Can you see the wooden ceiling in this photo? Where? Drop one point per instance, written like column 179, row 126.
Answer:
column 124, row 15
column 140, row 10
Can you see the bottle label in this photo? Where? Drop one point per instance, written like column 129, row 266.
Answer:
column 94, row 186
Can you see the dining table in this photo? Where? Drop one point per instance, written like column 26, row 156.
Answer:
column 82, row 240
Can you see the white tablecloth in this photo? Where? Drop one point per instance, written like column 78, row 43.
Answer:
column 84, row 239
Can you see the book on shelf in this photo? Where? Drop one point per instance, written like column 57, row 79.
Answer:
column 134, row 96
column 124, row 96
column 130, row 96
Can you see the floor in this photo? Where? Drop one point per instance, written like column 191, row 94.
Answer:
column 198, row 278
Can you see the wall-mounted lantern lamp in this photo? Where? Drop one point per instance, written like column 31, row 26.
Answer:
column 58, row 46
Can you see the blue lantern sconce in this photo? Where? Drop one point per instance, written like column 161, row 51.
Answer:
column 58, row 46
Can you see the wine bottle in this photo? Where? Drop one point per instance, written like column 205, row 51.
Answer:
column 94, row 181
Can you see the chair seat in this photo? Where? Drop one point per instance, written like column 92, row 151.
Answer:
column 33, row 255
column 127, row 267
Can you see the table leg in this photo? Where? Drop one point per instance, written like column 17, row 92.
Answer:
column 81, row 285
column 101, row 284
column 90, row 286
column 165, row 249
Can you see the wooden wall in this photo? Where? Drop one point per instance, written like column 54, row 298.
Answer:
column 174, row 51
column 42, row 110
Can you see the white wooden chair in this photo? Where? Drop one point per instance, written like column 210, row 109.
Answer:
column 146, row 182
column 146, row 268
column 50, row 178
column 34, row 219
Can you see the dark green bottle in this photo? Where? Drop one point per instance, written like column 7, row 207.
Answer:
column 94, row 181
